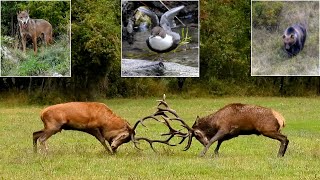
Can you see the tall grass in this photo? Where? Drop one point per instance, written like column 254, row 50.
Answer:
column 75, row 155
column 53, row 60
column 268, row 54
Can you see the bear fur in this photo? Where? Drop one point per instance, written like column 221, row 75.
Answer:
column 294, row 38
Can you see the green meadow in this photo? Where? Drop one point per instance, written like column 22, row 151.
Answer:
column 76, row 155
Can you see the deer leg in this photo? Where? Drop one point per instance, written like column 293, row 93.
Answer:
column 218, row 146
column 219, row 135
column 36, row 136
column 280, row 137
column 45, row 136
column 97, row 134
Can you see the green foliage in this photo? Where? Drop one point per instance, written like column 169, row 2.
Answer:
column 95, row 43
column 225, row 40
column 266, row 15
column 32, row 67
column 185, row 38
column 7, row 40
column 8, row 15
column 56, row 12
column 53, row 60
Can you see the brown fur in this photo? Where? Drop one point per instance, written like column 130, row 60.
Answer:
column 239, row 119
column 280, row 119
column 90, row 117
column 34, row 28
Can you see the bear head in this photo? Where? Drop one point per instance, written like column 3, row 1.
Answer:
column 289, row 40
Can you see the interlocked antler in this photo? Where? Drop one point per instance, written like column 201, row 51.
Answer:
column 163, row 107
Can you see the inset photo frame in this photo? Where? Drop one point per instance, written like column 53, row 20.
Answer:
column 35, row 38
column 160, row 39
column 285, row 38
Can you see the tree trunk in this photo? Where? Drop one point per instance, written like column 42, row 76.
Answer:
column 29, row 87
column 281, row 89
column 181, row 81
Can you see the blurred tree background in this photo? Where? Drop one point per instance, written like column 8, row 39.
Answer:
column 225, row 51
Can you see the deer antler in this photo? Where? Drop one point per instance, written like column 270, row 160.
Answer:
column 163, row 108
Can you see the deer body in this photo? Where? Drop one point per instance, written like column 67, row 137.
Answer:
column 239, row 119
column 90, row 117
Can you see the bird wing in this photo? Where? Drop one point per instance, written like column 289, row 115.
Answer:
column 166, row 21
column 151, row 14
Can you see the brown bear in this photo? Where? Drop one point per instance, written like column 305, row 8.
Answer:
column 294, row 38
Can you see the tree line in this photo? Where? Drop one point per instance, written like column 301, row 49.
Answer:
column 96, row 58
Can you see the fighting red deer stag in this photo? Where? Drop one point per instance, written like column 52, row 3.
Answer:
column 228, row 122
column 93, row 118
column 238, row 119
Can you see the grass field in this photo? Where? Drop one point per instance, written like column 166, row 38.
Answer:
column 75, row 155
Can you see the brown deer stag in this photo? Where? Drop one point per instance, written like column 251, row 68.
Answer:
column 228, row 122
column 93, row 118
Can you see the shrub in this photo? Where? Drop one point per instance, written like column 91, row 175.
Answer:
column 266, row 15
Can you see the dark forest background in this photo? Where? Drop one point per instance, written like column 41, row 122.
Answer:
column 96, row 41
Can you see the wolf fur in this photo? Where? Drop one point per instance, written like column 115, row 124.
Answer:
column 34, row 28
column 294, row 38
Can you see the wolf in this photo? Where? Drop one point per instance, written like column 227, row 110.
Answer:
column 294, row 38
column 34, row 28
